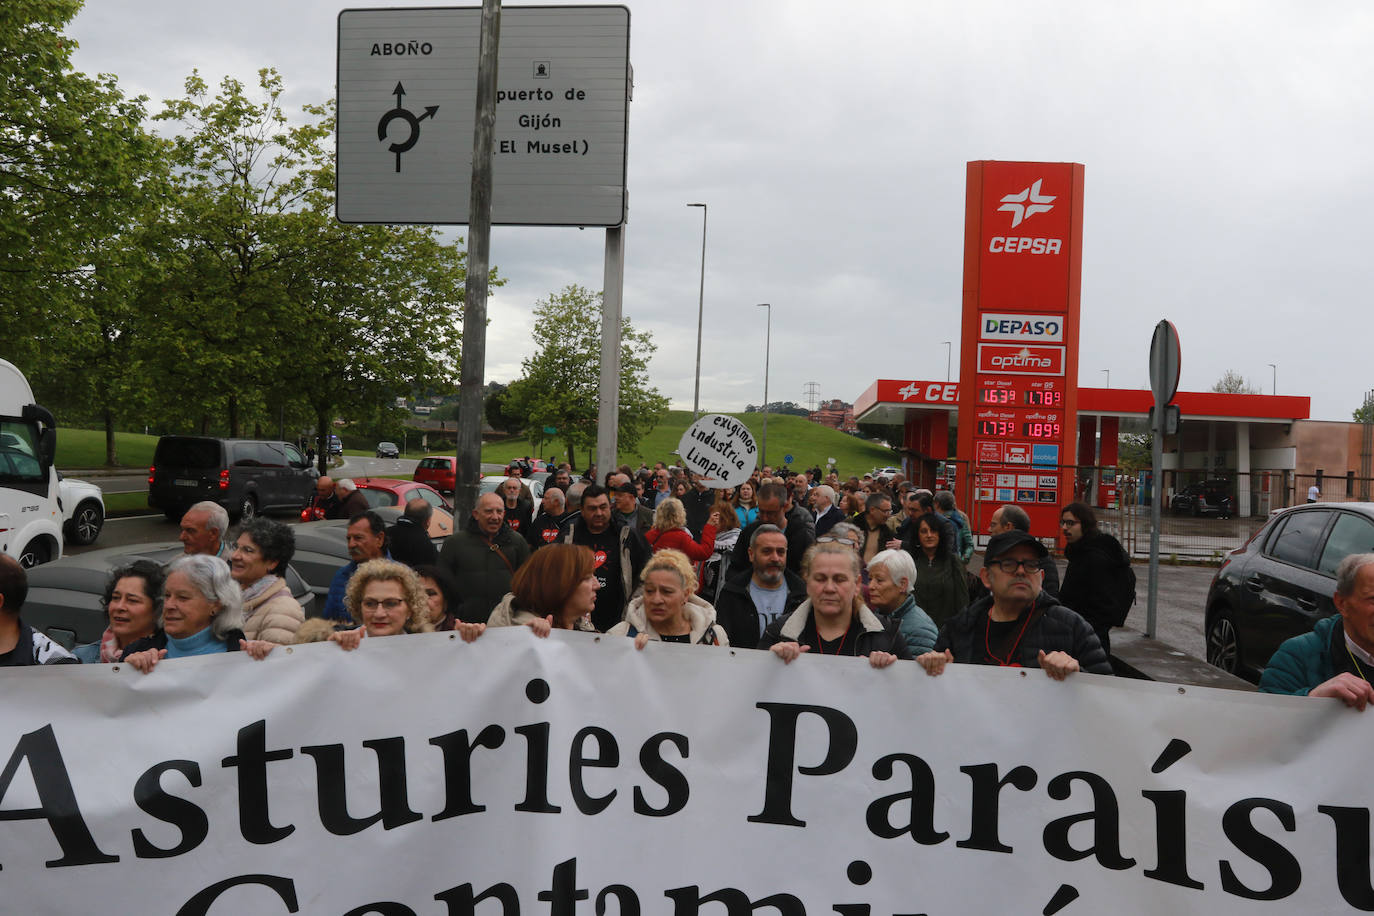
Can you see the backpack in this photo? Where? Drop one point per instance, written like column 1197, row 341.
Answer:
column 1122, row 590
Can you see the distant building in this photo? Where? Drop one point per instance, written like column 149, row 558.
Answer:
column 836, row 414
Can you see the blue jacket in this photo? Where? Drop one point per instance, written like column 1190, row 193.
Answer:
column 1306, row 661
column 334, row 608
column 915, row 626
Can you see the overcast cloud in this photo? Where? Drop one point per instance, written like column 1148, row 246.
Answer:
column 1227, row 149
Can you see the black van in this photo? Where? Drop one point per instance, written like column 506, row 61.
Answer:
column 245, row 476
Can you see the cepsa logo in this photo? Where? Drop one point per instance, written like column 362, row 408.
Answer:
column 1022, row 205
column 1025, row 328
column 1009, row 359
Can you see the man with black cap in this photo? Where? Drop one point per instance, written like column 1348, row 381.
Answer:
column 1017, row 625
column 629, row 509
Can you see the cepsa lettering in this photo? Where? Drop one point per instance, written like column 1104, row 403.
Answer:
column 1011, row 244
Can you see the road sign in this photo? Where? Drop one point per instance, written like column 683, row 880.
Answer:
column 407, row 89
column 786, row 459
column 1166, row 361
column 550, row 431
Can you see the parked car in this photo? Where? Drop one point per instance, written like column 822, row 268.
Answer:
column 886, row 473
column 384, row 491
column 245, row 476
column 1210, row 497
column 440, row 472
column 1280, row 583
column 388, row 450
column 83, row 510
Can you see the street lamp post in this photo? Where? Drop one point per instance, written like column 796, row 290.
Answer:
column 767, row 351
column 701, row 302
column 949, row 355
column 1274, row 379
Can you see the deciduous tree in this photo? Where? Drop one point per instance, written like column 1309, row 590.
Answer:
column 561, row 381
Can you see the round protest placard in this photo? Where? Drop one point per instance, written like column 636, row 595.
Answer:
column 719, row 449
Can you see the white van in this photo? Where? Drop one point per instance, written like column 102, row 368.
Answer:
column 30, row 511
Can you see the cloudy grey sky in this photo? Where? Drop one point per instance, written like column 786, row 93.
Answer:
column 1227, row 149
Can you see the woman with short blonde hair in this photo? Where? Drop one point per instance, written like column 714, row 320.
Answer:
column 667, row 610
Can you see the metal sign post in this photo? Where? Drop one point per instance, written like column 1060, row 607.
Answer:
column 1165, row 363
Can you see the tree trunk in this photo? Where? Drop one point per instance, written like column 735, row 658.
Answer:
column 572, row 462
column 322, row 438
column 111, row 457
column 233, row 416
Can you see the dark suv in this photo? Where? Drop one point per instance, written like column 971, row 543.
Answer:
column 1280, row 583
column 1210, row 497
column 245, row 476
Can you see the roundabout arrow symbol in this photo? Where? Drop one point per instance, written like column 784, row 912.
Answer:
column 410, row 119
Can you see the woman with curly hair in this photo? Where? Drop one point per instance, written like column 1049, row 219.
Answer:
column 387, row 599
column 667, row 610
column 554, row 588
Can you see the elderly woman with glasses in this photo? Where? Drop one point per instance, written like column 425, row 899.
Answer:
column 387, row 599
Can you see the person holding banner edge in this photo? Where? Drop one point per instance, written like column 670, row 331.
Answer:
column 1018, row 625
column 667, row 608
column 833, row 620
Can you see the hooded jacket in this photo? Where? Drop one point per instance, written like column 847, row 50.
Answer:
column 700, row 615
column 875, row 635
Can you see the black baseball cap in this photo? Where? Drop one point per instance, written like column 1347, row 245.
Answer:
column 999, row 544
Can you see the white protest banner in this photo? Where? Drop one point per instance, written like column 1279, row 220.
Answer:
column 423, row 775
column 720, row 450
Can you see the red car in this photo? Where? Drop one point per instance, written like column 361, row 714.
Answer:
column 439, row 472
column 384, row 491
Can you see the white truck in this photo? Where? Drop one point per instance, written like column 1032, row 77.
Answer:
column 30, row 509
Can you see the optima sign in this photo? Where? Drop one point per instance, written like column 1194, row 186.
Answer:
column 998, row 359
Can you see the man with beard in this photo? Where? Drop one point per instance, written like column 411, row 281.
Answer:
column 618, row 551
column 751, row 600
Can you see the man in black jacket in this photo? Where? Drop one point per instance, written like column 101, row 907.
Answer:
column 618, row 554
column 1017, row 626
column 773, row 504
column 769, row 583
column 409, row 537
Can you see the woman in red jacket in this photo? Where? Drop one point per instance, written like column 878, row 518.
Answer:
column 670, row 531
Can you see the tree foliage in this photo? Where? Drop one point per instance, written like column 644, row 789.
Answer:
column 1232, row 382
column 80, row 183
column 201, row 283
column 1365, row 412
column 559, row 387
column 780, row 407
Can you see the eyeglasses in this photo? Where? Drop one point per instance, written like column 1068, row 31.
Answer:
column 1008, row 565
column 391, row 604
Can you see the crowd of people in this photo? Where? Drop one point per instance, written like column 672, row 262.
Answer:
column 788, row 563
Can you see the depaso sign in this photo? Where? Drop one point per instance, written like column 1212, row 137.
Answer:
column 1023, row 328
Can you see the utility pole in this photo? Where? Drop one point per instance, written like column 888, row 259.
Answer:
column 469, row 440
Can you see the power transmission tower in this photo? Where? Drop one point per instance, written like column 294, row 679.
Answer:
column 812, row 389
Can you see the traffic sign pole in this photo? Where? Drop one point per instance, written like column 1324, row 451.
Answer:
column 1165, row 366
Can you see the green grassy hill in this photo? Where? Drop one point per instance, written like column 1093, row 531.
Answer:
column 808, row 443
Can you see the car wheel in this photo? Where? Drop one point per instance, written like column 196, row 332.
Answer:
column 1223, row 643
column 248, row 507
column 34, row 554
column 86, row 523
